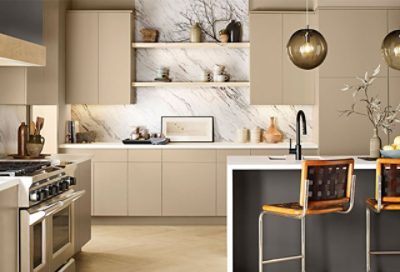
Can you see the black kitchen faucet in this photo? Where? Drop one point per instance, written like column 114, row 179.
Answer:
column 297, row 150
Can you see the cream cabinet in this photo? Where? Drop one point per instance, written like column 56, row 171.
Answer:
column 144, row 183
column 221, row 176
column 345, row 135
column 354, row 40
column 9, row 229
column 275, row 80
column 189, row 183
column 394, row 24
column 98, row 57
column 110, row 188
column 394, row 100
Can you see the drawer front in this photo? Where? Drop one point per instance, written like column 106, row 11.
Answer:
column 101, row 155
column 224, row 153
column 153, row 155
column 206, row 155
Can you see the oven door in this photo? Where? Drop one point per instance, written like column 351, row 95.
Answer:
column 47, row 234
column 60, row 224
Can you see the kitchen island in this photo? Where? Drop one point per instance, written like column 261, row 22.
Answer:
column 335, row 242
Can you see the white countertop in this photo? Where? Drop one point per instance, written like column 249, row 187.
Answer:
column 6, row 183
column 216, row 145
column 265, row 163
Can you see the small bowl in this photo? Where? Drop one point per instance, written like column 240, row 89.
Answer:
column 393, row 154
column 33, row 149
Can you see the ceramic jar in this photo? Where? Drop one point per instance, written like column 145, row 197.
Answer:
column 195, row 34
column 255, row 135
column 273, row 134
column 242, row 135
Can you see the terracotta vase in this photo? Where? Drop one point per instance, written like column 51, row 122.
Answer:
column 273, row 134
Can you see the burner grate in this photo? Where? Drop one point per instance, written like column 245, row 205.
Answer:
column 21, row 168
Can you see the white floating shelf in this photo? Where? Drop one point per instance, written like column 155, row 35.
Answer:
column 192, row 84
column 164, row 45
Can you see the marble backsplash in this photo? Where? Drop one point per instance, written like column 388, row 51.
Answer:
column 11, row 117
column 230, row 106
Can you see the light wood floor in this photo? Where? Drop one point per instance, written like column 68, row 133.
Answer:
column 154, row 249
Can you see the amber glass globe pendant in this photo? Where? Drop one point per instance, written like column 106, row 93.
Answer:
column 391, row 49
column 307, row 48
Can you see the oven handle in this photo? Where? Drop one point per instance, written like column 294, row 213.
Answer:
column 57, row 206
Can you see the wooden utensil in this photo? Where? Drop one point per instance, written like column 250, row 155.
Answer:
column 32, row 128
column 39, row 125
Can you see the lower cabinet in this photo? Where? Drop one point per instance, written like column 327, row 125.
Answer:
column 144, row 189
column 83, row 207
column 110, row 188
column 189, row 189
column 9, row 229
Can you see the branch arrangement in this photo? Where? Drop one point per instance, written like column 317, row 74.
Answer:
column 380, row 117
column 204, row 12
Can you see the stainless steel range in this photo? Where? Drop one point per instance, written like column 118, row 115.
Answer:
column 46, row 201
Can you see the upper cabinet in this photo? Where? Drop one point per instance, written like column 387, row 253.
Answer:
column 275, row 80
column 394, row 24
column 98, row 56
column 354, row 40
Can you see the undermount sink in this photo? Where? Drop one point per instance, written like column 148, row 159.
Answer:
column 292, row 158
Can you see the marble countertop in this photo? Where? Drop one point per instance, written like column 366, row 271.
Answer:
column 216, row 145
column 266, row 163
column 6, row 183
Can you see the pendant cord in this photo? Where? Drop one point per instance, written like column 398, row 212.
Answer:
column 307, row 19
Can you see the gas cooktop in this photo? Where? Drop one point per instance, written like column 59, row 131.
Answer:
column 22, row 168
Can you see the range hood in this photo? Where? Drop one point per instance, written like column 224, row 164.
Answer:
column 17, row 52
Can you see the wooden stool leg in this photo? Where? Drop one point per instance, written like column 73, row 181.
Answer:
column 260, row 242
column 368, row 239
column 303, row 244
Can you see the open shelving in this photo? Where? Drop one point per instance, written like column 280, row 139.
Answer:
column 188, row 45
column 192, row 84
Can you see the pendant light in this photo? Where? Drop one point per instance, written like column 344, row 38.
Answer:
column 307, row 48
column 391, row 49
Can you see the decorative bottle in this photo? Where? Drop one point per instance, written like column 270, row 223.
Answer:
column 273, row 134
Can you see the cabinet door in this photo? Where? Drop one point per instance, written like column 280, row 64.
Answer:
column 83, row 206
column 144, row 189
column 115, row 58
column 189, row 189
column 82, row 58
column 110, row 182
column 221, row 176
column 345, row 135
column 9, row 229
column 266, row 59
column 394, row 24
column 298, row 84
column 394, row 101
column 354, row 40
column 13, row 86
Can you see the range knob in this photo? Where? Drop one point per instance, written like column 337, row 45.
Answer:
column 34, row 196
column 63, row 186
column 53, row 190
column 71, row 180
column 44, row 193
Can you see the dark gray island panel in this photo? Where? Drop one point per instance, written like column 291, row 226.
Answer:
column 335, row 242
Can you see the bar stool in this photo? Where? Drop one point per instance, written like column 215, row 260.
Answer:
column 326, row 187
column 387, row 198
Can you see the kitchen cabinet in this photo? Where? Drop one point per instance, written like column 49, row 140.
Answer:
column 394, row 24
column 9, row 229
column 144, row 183
column 40, row 85
column 221, row 176
column 345, row 135
column 99, row 61
column 189, row 183
column 281, row 152
column 354, row 40
column 394, row 101
column 83, row 206
column 189, row 189
column 274, row 79
column 110, row 188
